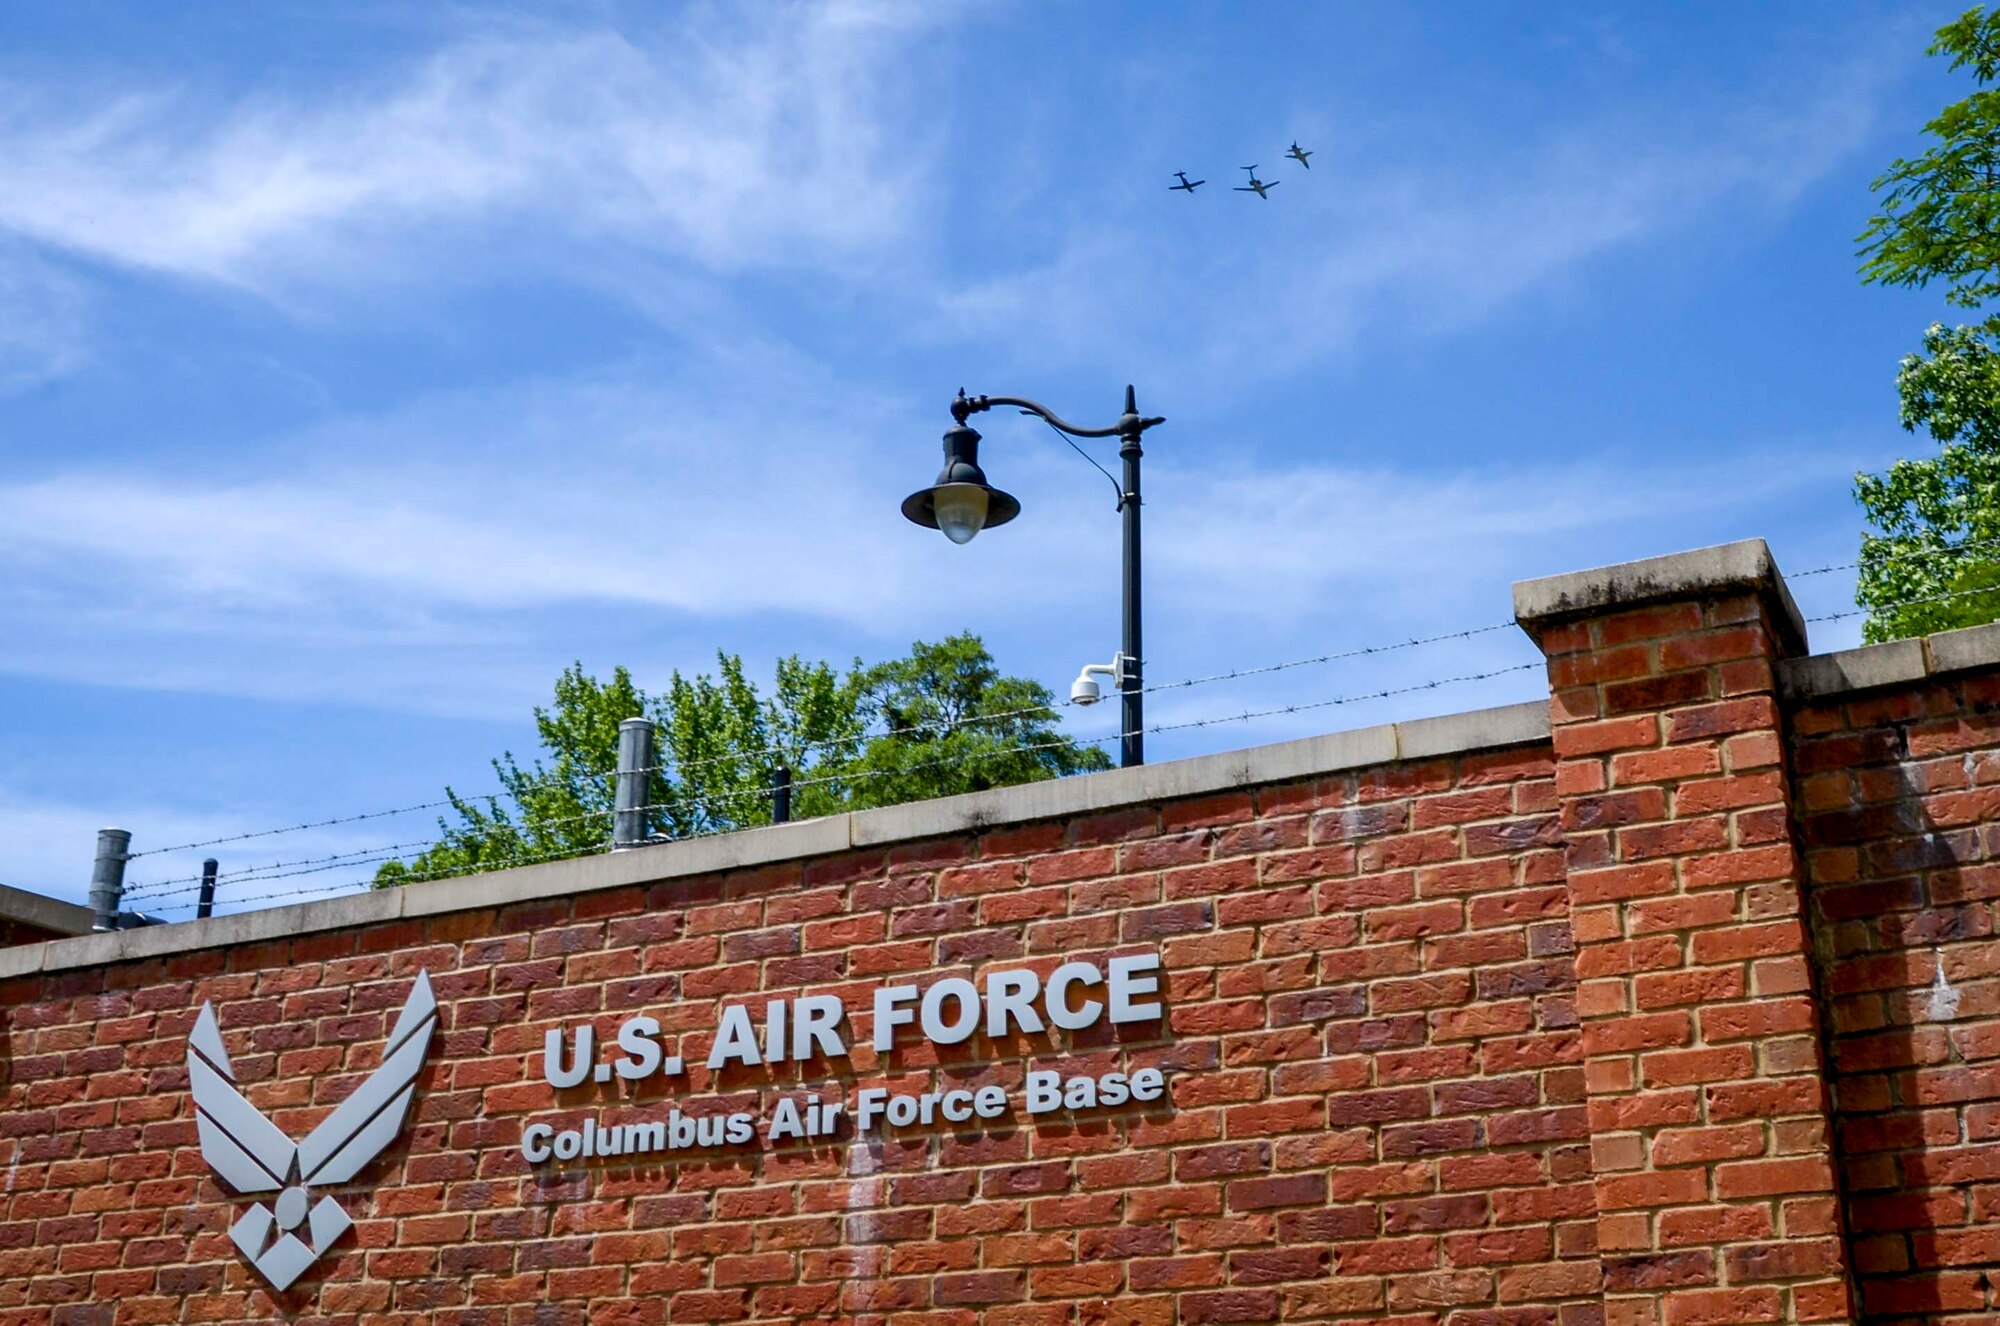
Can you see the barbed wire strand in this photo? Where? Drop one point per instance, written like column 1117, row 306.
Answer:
column 357, row 856
column 412, row 876
column 1913, row 555
column 706, row 801
column 940, row 726
column 1051, row 707
column 946, row 726
column 1905, row 603
column 498, row 863
column 313, row 824
column 160, row 887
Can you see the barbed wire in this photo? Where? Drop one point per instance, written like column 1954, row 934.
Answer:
column 936, row 726
column 707, row 800
column 1279, row 710
column 1055, row 706
column 1361, row 652
column 313, row 824
column 338, row 860
column 1913, row 555
column 944, row 727
column 163, row 887
column 414, row 876
column 1905, row 603
column 393, row 851
column 342, row 888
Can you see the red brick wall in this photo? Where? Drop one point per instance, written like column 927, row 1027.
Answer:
column 1898, row 798
column 1377, row 1099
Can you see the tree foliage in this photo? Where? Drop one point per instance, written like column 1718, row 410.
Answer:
column 942, row 720
column 1936, row 518
column 1939, row 212
column 957, row 725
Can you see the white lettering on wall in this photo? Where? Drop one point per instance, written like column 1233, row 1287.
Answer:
column 949, row 1011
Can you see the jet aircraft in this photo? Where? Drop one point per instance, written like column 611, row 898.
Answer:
column 1299, row 154
column 1257, row 186
column 1186, row 183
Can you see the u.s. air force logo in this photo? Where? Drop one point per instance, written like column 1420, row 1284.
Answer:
column 250, row 1154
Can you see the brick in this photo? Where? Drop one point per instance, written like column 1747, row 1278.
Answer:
column 1693, row 1146
column 1659, row 1270
column 1734, row 943
column 1578, row 740
column 1701, row 722
column 1670, row 764
column 1664, row 691
column 1764, row 1178
column 1621, row 883
column 1662, row 1188
column 1716, row 1307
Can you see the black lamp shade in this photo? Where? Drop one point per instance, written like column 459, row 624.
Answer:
column 961, row 466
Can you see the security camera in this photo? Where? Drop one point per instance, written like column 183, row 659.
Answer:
column 1085, row 689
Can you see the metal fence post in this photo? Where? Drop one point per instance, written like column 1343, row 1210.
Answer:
column 107, row 878
column 635, row 775
column 781, row 794
column 205, row 901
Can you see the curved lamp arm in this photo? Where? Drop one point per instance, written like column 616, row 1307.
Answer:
column 1130, row 424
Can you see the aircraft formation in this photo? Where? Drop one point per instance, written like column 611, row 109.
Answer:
column 1262, row 188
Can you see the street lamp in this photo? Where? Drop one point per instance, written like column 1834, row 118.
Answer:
column 961, row 503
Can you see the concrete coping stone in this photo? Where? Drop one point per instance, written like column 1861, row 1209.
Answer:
column 40, row 910
column 1702, row 573
column 1289, row 761
column 1892, row 663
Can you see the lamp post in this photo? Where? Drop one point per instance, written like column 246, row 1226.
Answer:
column 961, row 503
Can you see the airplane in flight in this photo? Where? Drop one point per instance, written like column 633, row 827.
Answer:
column 1187, row 184
column 1257, row 186
column 1299, row 154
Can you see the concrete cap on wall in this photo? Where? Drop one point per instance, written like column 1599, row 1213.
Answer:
column 1726, row 568
column 43, row 912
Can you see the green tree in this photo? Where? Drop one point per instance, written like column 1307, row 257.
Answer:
column 940, row 721
column 949, row 722
column 1936, row 518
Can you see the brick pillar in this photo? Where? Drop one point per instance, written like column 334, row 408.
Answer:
column 1708, row 1100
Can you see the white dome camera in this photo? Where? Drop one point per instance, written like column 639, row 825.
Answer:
column 1086, row 690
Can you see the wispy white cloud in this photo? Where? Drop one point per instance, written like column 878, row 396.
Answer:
column 742, row 139
column 807, row 138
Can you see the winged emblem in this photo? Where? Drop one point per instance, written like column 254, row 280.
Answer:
column 252, row 1155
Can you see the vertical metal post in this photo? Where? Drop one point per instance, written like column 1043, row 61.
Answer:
column 1131, row 682
column 205, row 901
column 107, row 878
column 635, row 775
column 781, row 794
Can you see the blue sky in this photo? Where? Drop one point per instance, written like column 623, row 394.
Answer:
column 361, row 366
